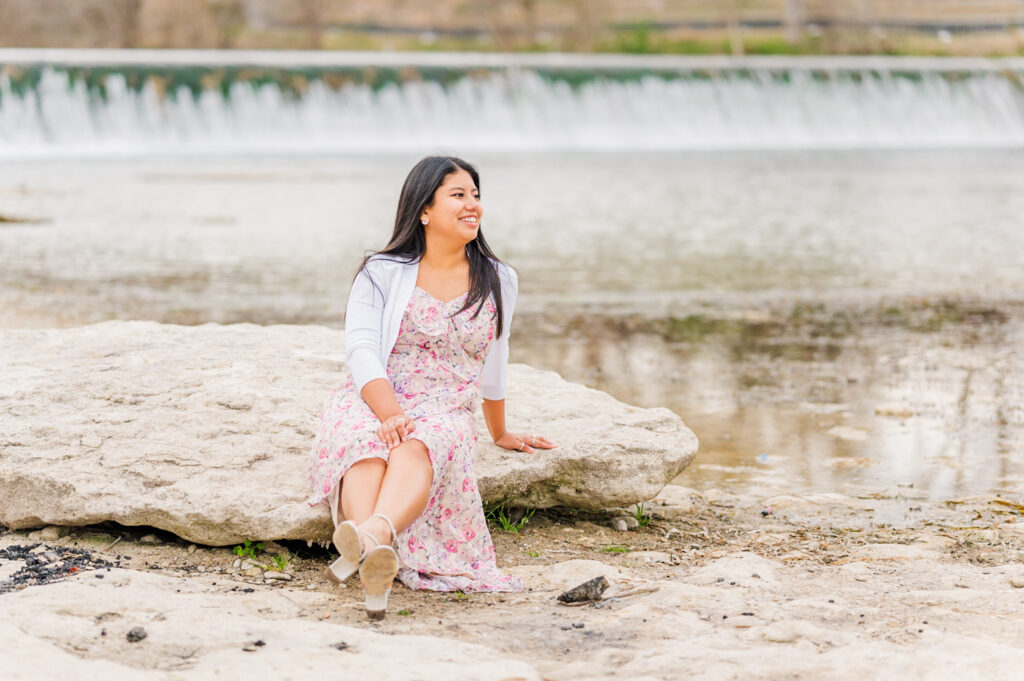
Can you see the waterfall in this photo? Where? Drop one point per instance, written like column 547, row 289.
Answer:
column 100, row 102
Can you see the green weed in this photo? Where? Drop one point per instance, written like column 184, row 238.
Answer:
column 247, row 549
column 501, row 515
column 616, row 548
column 642, row 516
column 280, row 561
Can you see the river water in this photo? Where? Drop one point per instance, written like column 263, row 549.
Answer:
column 829, row 321
column 816, row 262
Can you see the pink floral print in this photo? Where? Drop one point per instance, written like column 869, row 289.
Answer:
column 434, row 369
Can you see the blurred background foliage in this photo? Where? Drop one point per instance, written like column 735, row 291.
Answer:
column 927, row 27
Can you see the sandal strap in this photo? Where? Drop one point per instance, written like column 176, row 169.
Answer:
column 376, row 543
column 391, row 526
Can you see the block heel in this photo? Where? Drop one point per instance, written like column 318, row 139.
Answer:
column 346, row 541
column 377, row 573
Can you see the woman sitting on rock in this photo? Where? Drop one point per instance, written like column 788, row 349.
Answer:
column 426, row 337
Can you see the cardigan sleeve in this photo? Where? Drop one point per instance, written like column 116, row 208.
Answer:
column 492, row 377
column 364, row 321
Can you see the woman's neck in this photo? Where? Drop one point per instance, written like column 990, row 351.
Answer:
column 442, row 258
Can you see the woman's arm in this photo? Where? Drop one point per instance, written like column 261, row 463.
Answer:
column 492, row 379
column 395, row 426
column 494, row 415
column 364, row 317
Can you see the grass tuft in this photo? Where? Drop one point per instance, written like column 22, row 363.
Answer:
column 642, row 516
column 500, row 514
column 247, row 549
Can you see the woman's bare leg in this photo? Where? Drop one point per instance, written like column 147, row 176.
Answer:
column 404, row 491
column 360, row 487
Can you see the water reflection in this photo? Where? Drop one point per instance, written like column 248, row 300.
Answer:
column 819, row 398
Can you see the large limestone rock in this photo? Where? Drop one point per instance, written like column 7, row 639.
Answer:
column 204, row 431
column 198, row 630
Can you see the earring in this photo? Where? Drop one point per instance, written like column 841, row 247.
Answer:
column 425, row 221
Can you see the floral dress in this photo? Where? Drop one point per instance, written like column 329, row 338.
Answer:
column 434, row 369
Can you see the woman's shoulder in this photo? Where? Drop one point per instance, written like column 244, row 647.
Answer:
column 386, row 265
column 506, row 273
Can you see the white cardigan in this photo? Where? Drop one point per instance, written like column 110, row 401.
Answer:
column 374, row 314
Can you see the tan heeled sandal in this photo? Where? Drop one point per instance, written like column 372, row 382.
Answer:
column 350, row 552
column 377, row 572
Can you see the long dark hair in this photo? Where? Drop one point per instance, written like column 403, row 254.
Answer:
column 409, row 242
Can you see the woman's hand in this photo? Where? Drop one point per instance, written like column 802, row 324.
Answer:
column 395, row 430
column 523, row 442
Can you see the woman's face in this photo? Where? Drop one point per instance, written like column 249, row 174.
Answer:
column 456, row 210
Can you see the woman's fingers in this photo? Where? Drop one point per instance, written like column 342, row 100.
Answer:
column 534, row 442
column 395, row 430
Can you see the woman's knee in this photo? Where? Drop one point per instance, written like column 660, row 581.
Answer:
column 366, row 467
column 410, row 450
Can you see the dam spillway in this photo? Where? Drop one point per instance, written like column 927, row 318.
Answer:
column 155, row 102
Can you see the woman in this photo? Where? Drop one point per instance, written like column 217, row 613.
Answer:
column 426, row 337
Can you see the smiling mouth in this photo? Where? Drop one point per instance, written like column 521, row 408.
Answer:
column 470, row 220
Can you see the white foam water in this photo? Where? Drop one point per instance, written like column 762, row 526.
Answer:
column 511, row 103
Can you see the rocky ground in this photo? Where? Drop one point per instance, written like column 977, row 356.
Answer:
column 707, row 586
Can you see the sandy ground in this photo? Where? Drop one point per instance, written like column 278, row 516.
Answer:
column 765, row 586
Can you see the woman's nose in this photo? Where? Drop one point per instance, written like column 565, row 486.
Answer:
column 473, row 203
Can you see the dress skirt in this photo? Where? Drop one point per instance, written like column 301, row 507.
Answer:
column 434, row 369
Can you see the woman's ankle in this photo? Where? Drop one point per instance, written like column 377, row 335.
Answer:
column 379, row 529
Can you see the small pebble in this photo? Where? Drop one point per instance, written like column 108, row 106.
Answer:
column 1017, row 582
column 191, row 548
column 591, row 590
column 52, row 532
column 630, row 522
column 578, row 625
column 149, row 539
column 274, row 575
column 136, row 634
column 273, row 548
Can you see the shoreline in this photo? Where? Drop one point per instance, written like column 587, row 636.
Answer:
column 843, row 585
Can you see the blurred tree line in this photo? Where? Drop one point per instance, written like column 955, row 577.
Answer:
column 637, row 26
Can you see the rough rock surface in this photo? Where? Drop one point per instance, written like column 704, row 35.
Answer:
column 80, row 629
column 204, row 431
